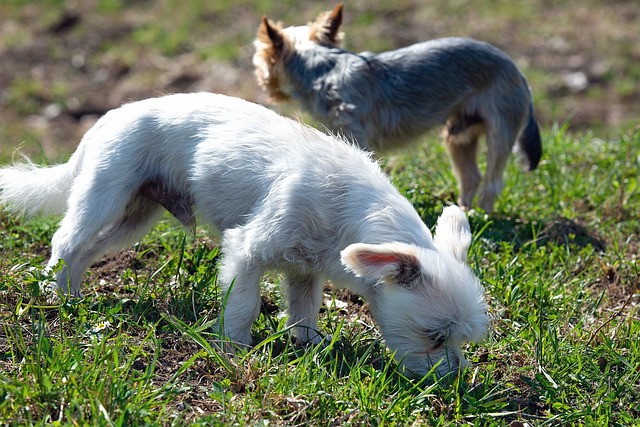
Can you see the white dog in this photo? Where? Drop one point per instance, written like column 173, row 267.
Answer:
column 286, row 197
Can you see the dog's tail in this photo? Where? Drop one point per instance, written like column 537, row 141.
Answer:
column 530, row 143
column 29, row 189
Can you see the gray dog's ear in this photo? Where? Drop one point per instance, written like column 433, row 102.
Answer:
column 270, row 33
column 325, row 30
column 453, row 234
column 391, row 263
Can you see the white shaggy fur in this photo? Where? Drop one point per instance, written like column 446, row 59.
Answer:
column 285, row 196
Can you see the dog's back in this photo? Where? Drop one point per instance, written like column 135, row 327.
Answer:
column 219, row 158
column 418, row 87
column 445, row 70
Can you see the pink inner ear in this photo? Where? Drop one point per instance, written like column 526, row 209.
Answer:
column 376, row 259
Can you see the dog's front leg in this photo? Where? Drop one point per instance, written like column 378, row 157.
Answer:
column 240, row 291
column 239, row 278
column 304, row 294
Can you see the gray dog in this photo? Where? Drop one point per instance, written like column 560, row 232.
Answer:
column 385, row 100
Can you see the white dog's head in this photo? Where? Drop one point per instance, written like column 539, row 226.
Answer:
column 426, row 301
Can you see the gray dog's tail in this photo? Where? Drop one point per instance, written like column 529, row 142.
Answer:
column 530, row 142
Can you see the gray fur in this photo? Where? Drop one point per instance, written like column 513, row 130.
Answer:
column 388, row 99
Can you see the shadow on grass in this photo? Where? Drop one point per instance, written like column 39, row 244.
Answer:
column 523, row 232
column 516, row 229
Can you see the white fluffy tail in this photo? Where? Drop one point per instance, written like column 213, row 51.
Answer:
column 29, row 189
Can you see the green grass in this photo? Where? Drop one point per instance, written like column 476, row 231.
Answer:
column 558, row 260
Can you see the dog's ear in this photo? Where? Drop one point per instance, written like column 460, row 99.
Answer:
column 334, row 20
column 325, row 30
column 391, row 263
column 269, row 33
column 453, row 234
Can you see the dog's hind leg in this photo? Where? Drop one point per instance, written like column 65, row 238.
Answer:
column 461, row 139
column 501, row 136
column 79, row 248
column 304, row 293
column 100, row 216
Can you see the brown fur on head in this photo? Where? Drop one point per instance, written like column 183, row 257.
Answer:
column 274, row 44
column 272, row 48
